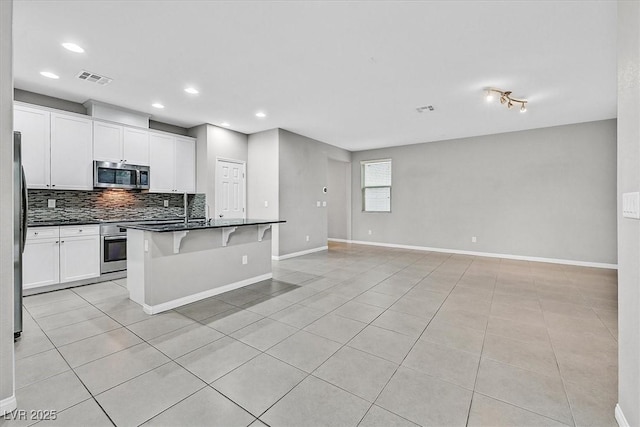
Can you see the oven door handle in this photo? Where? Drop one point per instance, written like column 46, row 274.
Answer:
column 114, row 237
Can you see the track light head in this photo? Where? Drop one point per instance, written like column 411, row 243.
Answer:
column 506, row 98
column 489, row 96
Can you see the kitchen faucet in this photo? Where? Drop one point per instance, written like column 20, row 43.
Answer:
column 186, row 210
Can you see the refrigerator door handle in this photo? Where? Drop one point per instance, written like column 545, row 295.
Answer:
column 25, row 208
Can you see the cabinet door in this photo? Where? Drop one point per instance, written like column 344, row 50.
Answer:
column 136, row 146
column 35, row 127
column 71, row 152
column 79, row 258
column 107, row 142
column 40, row 263
column 185, row 165
column 162, row 163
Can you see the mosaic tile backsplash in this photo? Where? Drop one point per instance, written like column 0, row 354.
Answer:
column 110, row 205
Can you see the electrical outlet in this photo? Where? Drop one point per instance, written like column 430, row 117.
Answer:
column 245, row 260
column 369, row 232
column 266, row 203
column 473, row 239
column 307, row 238
column 51, row 203
column 166, row 203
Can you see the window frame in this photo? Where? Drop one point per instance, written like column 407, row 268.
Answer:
column 363, row 163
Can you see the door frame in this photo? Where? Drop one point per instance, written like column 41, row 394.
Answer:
column 244, row 183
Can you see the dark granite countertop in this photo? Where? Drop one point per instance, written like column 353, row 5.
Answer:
column 89, row 221
column 199, row 224
column 58, row 222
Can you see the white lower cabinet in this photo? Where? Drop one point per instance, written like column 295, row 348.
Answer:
column 40, row 263
column 60, row 254
column 79, row 258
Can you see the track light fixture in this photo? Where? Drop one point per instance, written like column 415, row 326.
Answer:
column 506, row 98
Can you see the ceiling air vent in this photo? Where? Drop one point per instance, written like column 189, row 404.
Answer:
column 425, row 108
column 94, row 78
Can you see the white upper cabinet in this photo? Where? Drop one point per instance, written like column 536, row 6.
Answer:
column 107, row 142
column 135, row 143
column 162, row 163
column 185, row 165
column 71, row 152
column 116, row 143
column 173, row 164
column 35, row 127
column 57, row 149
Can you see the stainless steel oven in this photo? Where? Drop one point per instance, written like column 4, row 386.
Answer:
column 120, row 175
column 113, row 248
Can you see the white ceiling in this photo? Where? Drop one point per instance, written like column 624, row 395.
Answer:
column 347, row 73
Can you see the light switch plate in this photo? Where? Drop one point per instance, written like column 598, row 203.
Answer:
column 51, row 203
column 631, row 205
column 324, row 204
column 318, row 203
column 166, row 203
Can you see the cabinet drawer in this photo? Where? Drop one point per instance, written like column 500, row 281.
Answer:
column 79, row 230
column 34, row 233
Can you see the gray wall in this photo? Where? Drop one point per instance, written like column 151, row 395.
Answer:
column 303, row 174
column 541, row 193
column 339, row 200
column 6, row 207
column 628, row 229
column 262, row 179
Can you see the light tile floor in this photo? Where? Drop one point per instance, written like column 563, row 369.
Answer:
column 356, row 335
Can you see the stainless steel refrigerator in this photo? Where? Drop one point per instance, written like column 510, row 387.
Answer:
column 19, row 231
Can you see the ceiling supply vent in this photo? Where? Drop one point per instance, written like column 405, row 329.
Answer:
column 425, row 108
column 94, row 78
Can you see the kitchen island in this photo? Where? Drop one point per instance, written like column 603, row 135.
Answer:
column 171, row 265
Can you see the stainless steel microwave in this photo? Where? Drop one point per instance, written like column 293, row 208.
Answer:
column 120, row 175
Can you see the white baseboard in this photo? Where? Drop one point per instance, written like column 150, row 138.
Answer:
column 7, row 405
column 159, row 308
column 331, row 239
column 620, row 418
column 295, row 254
column 489, row 254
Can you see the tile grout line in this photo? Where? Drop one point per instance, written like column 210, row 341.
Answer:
column 484, row 339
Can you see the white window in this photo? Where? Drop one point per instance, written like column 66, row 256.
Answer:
column 376, row 186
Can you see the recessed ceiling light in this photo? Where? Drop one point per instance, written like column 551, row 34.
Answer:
column 192, row 90
column 157, row 105
column 225, row 124
column 73, row 47
column 49, row 75
column 261, row 114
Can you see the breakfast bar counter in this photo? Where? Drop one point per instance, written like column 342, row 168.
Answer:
column 171, row 265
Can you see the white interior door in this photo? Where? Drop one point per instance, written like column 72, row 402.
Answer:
column 230, row 189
